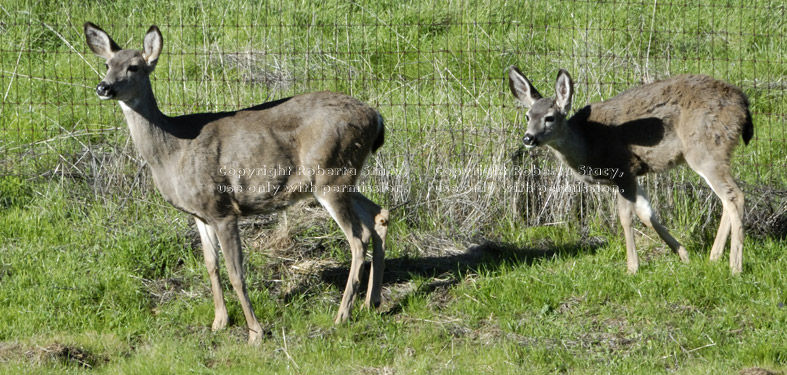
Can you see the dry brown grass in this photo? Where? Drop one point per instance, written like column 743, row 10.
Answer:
column 56, row 352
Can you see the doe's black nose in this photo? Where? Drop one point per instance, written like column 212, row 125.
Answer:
column 103, row 89
column 529, row 140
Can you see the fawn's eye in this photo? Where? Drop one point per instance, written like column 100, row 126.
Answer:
column 549, row 119
column 527, row 117
column 133, row 68
column 106, row 66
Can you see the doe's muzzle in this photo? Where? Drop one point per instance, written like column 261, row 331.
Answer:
column 529, row 140
column 103, row 90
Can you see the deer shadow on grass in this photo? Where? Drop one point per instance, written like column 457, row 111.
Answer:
column 402, row 274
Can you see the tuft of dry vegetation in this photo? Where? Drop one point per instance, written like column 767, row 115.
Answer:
column 55, row 353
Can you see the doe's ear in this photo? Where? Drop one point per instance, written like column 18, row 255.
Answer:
column 564, row 91
column 152, row 46
column 99, row 41
column 521, row 87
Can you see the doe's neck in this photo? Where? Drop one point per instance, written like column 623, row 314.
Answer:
column 150, row 129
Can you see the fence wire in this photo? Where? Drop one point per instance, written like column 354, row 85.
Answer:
column 434, row 69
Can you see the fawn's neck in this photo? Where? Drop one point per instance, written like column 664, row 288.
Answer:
column 570, row 146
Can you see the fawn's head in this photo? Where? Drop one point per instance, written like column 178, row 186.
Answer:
column 127, row 70
column 546, row 117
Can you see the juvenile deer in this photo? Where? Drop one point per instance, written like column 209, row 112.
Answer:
column 221, row 166
column 650, row 128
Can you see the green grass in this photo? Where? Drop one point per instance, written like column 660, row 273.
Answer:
column 99, row 275
column 81, row 290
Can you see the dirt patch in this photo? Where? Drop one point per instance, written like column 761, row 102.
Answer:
column 72, row 355
column 67, row 354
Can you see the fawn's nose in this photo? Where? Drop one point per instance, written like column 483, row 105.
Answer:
column 103, row 89
column 529, row 140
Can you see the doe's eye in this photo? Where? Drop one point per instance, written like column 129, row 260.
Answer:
column 106, row 66
column 527, row 117
column 549, row 119
column 133, row 68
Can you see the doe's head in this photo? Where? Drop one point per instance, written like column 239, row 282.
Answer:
column 546, row 117
column 127, row 70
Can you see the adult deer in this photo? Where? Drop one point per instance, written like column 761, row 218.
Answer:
column 650, row 128
column 221, row 166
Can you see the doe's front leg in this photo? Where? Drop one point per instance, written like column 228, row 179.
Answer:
column 229, row 237
column 210, row 249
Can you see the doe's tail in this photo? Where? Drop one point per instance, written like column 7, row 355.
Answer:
column 748, row 128
column 378, row 142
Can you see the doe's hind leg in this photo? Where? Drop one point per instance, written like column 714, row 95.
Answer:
column 731, row 219
column 375, row 220
column 717, row 175
column 343, row 210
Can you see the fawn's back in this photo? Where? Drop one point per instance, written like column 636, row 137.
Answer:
column 656, row 126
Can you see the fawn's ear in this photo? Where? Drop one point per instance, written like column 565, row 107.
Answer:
column 152, row 46
column 521, row 87
column 564, row 91
column 99, row 41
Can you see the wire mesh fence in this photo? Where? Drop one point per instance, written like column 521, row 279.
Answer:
column 434, row 69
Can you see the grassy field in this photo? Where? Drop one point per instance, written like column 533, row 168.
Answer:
column 491, row 268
